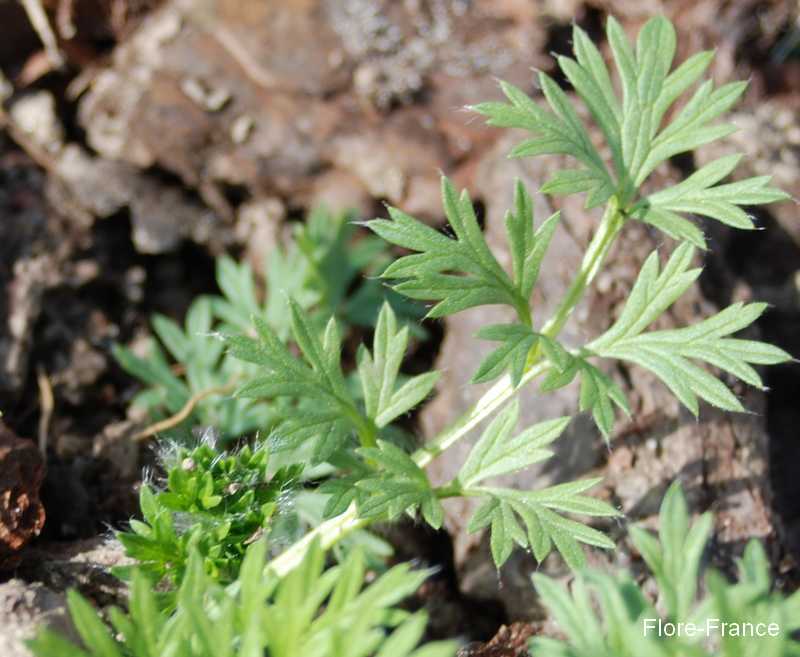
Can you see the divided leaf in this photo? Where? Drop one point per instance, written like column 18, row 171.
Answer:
column 528, row 518
column 399, row 485
column 379, row 371
column 324, row 409
column 701, row 195
column 557, row 131
column 598, row 392
column 497, row 453
column 539, row 512
column 516, row 340
column 667, row 353
column 633, row 131
column 461, row 273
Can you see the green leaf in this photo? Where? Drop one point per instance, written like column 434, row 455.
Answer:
column 48, row 643
column 512, row 355
column 599, row 394
column 539, row 512
column 383, row 398
column 675, row 560
column 632, row 127
column 424, row 276
column 91, row 629
column 496, row 453
column 666, row 353
column 700, row 194
column 326, row 427
column 323, row 356
column 557, row 132
column 527, row 244
column 690, row 128
column 672, row 224
column 462, row 273
column 398, row 486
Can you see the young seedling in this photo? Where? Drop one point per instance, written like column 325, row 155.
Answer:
column 608, row 615
column 378, row 480
column 343, row 425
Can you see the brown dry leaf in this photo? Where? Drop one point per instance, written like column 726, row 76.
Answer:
column 21, row 512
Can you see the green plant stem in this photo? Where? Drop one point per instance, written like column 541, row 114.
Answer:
column 610, row 225
column 330, row 531
column 492, row 400
column 365, row 428
column 453, row 489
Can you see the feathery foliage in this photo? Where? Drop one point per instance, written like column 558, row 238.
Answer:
column 497, row 453
column 608, row 615
column 326, row 409
column 314, row 611
column 666, row 353
column 320, row 268
column 635, row 131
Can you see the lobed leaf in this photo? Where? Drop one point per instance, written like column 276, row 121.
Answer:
column 667, row 353
column 496, row 453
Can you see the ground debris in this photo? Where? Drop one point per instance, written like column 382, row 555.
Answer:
column 22, row 515
column 510, row 641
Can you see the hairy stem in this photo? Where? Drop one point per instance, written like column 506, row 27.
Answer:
column 492, row 400
column 330, row 531
column 596, row 253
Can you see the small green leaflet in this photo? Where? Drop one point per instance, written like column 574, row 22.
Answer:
column 675, row 559
column 667, row 353
column 516, row 340
column 497, row 453
column 398, row 486
column 598, row 394
column 699, row 194
column 544, row 527
column 383, row 398
column 318, row 382
column 558, row 131
column 462, row 273
column 301, row 424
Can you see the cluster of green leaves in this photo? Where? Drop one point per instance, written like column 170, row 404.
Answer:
column 314, row 612
column 214, row 505
column 334, row 413
column 284, row 351
column 635, row 132
column 605, row 615
column 541, row 511
column 462, row 273
column 320, row 268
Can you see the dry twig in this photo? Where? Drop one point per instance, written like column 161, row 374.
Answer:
column 186, row 411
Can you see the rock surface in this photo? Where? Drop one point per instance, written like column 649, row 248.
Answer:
column 26, row 608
